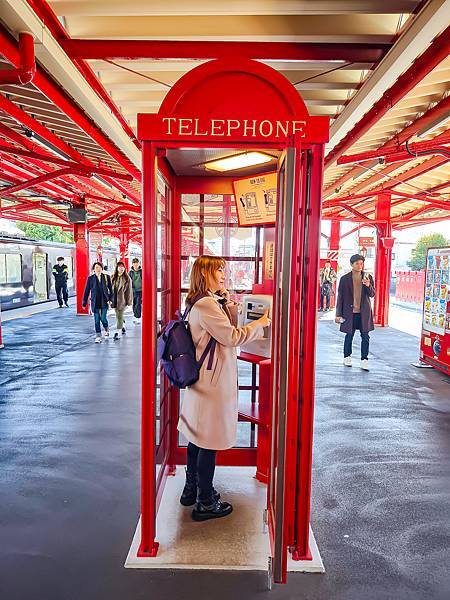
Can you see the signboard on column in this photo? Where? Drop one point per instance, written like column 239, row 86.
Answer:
column 256, row 200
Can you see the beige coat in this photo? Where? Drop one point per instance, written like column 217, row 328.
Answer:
column 209, row 409
column 122, row 292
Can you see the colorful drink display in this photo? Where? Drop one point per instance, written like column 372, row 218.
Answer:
column 436, row 317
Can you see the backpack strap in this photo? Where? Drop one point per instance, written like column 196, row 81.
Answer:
column 210, row 349
column 211, row 345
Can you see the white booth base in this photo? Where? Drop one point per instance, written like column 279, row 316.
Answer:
column 237, row 542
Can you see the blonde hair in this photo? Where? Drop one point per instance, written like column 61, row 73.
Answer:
column 202, row 267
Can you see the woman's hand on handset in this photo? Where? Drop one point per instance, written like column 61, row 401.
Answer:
column 264, row 320
column 225, row 294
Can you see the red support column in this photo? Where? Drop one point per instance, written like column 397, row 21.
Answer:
column 81, row 263
column 383, row 261
column 335, row 235
column 124, row 240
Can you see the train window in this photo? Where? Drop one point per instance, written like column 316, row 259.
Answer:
column 2, row 268
column 13, row 268
column 10, row 268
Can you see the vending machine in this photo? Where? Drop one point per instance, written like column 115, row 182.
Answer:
column 435, row 338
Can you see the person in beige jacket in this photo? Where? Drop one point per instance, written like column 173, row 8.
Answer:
column 122, row 296
column 209, row 412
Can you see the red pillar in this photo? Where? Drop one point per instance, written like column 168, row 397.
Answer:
column 383, row 261
column 124, row 240
column 335, row 235
column 81, row 263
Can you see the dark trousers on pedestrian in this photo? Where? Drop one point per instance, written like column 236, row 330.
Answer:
column 201, row 463
column 100, row 317
column 325, row 294
column 61, row 293
column 348, row 342
column 137, row 304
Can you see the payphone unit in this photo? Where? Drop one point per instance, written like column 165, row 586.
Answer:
column 253, row 307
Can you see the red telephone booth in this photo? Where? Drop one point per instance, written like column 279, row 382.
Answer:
column 225, row 108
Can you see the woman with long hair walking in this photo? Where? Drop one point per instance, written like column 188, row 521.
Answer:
column 122, row 296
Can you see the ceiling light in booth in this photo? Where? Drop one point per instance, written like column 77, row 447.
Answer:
column 238, row 161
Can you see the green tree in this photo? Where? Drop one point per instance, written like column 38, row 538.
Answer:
column 419, row 253
column 52, row 233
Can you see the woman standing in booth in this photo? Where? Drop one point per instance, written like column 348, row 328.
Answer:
column 209, row 412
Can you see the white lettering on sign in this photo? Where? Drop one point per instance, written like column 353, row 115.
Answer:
column 183, row 126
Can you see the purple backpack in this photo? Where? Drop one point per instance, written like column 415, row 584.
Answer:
column 176, row 350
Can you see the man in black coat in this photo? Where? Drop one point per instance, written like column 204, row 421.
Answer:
column 354, row 310
column 61, row 274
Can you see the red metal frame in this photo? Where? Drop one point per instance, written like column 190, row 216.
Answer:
column 236, row 51
column 422, row 66
column 57, row 95
column 383, row 261
column 81, row 263
column 193, row 95
column 24, row 73
column 400, row 153
column 49, row 18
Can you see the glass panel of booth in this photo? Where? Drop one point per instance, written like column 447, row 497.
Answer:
column 163, row 270
column 209, row 225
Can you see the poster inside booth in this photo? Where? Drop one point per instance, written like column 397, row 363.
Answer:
column 256, row 199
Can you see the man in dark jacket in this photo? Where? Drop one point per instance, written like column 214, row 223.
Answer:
column 354, row 310
column 61, row 274
column 98, row 286
column 136, row 280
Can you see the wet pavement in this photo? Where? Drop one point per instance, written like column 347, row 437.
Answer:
column 69, row 486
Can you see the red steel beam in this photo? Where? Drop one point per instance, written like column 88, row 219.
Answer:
column 421, row 67
column 199, row 50
column 394, row 151
column 107, row 215
column 50, row 189
column 65, row 163
column 25, row 119
column 51, row 21
column 30, row 183
column 399, row 138
column 28, row 144
column 32, row 219
column 425, row 221
column 59, row 97
column 24, row 73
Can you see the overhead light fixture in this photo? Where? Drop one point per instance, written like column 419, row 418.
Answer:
column 238, row 161
column 50, row 147
column 434, row 125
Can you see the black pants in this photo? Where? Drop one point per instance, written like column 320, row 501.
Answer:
column 324, row 293
column 202, row 463
column 349, row 339
column 137, row 304
column 61, row 293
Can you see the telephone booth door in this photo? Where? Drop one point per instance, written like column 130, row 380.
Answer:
column 293, row 351
column 225, row 123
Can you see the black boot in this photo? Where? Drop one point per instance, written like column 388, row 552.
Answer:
column 189, row 494
column 216, row 510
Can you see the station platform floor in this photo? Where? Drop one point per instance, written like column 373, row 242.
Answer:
column 69, row 484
